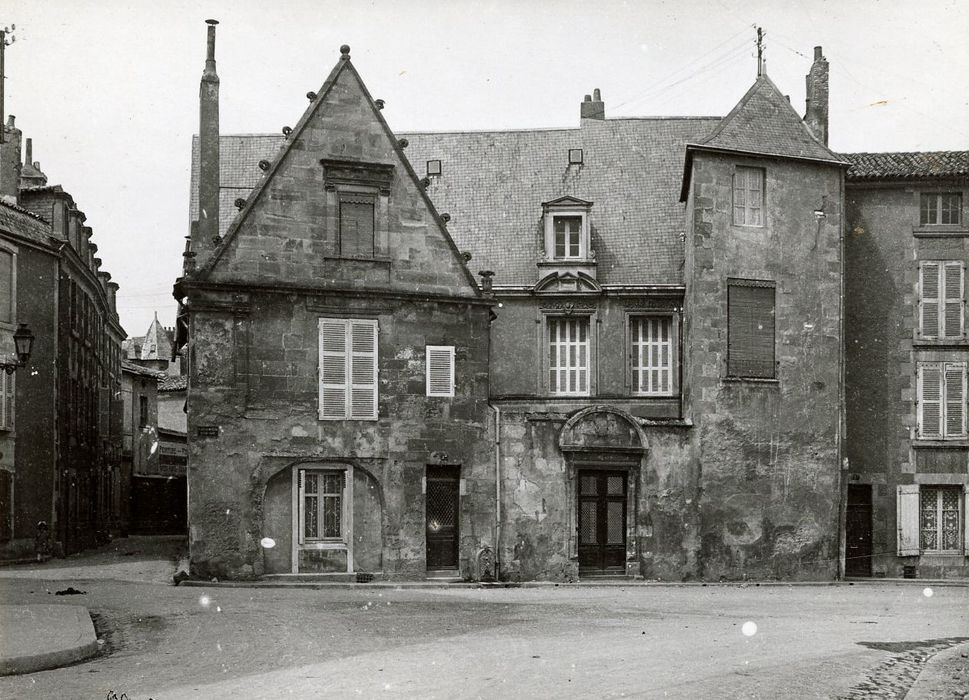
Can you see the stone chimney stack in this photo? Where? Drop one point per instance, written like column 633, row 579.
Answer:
column 113, row 298
column 10, row 163
column 592, row 107
column 816, row 111
column 208, row 226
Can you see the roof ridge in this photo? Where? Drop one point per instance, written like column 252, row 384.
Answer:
column 22, row 210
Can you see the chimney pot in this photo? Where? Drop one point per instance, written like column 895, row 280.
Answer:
column 29, row 151
column 817, row 53
column 593, row 108
column 588, row 98
column 596, row 96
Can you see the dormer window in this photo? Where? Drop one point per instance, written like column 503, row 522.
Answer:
column 567, row 230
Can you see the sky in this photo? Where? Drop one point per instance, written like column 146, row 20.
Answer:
column 108, row 89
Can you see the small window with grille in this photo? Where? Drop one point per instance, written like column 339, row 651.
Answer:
column 940, row 511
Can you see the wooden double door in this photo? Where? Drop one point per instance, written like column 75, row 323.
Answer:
column 602, row 504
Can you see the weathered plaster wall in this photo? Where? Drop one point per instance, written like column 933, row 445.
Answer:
column 768, row 451
column 254, row 376
column 883, row 246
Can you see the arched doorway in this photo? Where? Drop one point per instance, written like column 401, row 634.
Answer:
column 604, row 449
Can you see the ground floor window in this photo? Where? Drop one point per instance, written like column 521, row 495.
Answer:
column 939, row 524
column 321, row 505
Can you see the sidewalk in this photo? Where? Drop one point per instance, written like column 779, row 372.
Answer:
column 38, row 637
column 945, row 676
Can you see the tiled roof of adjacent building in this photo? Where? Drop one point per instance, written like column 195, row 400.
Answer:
column 143, row 371
column 171, row 383
column 765, row 122
column 20, row 221
column 904, row 166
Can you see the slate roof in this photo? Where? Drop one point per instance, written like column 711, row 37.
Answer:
column 906, row 166
column 765, row 122
column 20, row 221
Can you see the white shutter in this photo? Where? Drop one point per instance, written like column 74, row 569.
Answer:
column 6, row 401
column 929, row 299
column 965, row 519
column 953, row 305
column 955, row 399
column 907, row 519
column 363, row 369
column 301, row 504
column 930, row 400
column 440, row 370
column 333, row 369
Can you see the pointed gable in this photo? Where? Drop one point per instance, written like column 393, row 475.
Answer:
column 764, row 122
column 339, row 206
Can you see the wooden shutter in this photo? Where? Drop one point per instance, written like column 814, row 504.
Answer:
column 953, row 291
column 955, row 399
column 440, row 370
column 333, row 369
column 965, row 519
column 929, row 299
column 301, row 505
column 6, row 286
column 907, row 519
column 930, row 400
column 750, row 332
column 6, row 400
column 739, row 196
column 363, row 369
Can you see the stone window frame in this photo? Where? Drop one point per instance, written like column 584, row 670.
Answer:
column 674, row 351
column 568, row 209
column 345, row 541
column 345, row 180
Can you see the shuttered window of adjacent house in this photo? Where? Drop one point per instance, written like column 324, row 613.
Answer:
column 748, row 196
column 6, row 401
column 356, row 227
column 941, row 400
column 6, row 287
column 750, row 329
column 440, row 370
column 348, row 369
column 942, row 300
column 568, row 356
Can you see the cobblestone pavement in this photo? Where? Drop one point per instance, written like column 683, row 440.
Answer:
column 636, row 641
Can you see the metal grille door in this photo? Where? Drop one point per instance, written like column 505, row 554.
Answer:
column 602, row 520
column 442, row 517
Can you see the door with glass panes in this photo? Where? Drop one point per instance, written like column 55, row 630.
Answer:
column 602, row 520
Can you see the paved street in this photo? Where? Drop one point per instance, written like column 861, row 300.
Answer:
column 634, row 641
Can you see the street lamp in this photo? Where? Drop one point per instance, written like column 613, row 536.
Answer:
column 23, row 341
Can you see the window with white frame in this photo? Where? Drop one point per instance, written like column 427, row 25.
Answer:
column 439, row 361
column 6, row 401
column 941, row 400
column 942, row 299
column 348, row 369
column 567, row 230
column 322, row 505
column 931, row 519
column 936, row 208
column 748, row 196
column 653, row 353
column 568, row 355
column 568, row 237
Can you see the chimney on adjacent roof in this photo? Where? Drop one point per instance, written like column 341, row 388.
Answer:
column 208, row 228
column 10, row 163
column 30, row 172
column 816, row 110
column 592, row 107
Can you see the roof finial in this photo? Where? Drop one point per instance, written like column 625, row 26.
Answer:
column 345, row 51
column 760, row 52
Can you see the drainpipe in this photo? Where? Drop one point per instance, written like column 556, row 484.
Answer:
column 497, row 489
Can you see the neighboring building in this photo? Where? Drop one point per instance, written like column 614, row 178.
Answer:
column 906, row 353
column 154, row 349
column 62, row 449
column 338, row 360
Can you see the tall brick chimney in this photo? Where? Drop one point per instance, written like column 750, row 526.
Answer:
column 816, row 110
column 592, row 107
column 208, row 227
column 10, row 163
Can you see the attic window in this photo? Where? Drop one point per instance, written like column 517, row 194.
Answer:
column 575, row 156
column 566, row 222
column 433, row 167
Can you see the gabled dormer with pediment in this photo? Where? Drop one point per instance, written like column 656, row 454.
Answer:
column 567, row 239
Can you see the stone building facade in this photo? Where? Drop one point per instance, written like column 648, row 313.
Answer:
column 338, row 352
column 906, row 249
column 65, row 436
column 667, row 367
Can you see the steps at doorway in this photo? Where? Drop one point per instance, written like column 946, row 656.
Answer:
column 444, row 576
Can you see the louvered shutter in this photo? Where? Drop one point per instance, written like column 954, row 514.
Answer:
column 955, row 399
column 930, row 399
column 907, row 519
column 333, row 369
column 440, row 370
column 929, row 299
column 301, row 504
column 750, row 335
column 363, row 369
column 953, row 303
column 965, row 519
column 6, row 286
column 6, row 400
